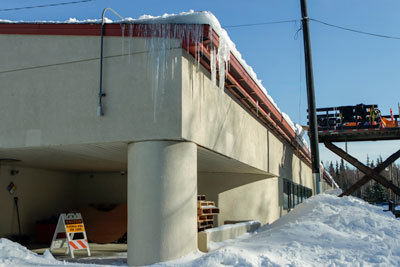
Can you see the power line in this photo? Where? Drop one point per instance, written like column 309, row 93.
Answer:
column 318, row 21
column 47, row 5
column 261, row 23
column 356, row 31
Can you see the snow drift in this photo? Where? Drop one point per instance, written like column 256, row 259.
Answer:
column 13, row 254
column 322, row 231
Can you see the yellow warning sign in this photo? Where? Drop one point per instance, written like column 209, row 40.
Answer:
column 74, row 226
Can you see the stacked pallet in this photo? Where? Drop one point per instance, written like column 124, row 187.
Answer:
column 206, row 210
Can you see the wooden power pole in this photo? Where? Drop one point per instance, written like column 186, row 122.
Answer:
column 312, row 117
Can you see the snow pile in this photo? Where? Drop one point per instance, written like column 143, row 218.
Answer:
column 13, row 254
column 323, row 231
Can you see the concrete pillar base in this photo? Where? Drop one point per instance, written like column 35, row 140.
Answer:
column 162, row 195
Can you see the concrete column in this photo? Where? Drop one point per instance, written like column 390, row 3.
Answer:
column 162, row 195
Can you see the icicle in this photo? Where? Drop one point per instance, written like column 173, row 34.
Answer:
column 223, row 62
column 130, row 42
column 213, row 63
column 161, row 57
column 123, row 38
column 221, row 68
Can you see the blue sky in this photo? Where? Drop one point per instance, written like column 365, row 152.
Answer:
column 349, row 68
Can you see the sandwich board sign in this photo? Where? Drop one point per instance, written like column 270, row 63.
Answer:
column 70, row 224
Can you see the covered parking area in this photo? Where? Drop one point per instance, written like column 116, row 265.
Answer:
column 70, row 178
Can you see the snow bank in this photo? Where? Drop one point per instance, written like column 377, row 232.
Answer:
column 323, row 231
column 13, row 254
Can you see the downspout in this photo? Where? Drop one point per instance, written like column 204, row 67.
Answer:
column 101, row 94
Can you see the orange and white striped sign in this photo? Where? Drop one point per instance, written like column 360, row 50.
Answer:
column 70, row 224
column 79, row 244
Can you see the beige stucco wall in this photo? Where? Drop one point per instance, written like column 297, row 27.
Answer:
column 242, row 196
column 101, row 188
column 325, row 186
column 50, row 86
column 43, row 193
column 215, row 120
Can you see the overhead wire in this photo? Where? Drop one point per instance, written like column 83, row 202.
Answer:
column 317, row 21
column 227, row 26
column 354, row 30
column 46, row 5
column 261, row 23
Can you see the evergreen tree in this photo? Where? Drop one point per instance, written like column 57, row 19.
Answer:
column 368, row 195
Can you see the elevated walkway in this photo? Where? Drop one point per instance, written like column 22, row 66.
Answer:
column 351, row 135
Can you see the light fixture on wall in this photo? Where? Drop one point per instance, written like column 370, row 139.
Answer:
column 7, row 161
column 14, row 172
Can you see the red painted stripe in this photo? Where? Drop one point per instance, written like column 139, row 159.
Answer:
column 81, row 243
column 73, row 245
column 80, row 29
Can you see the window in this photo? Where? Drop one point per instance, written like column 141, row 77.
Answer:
column 286, row 195
column 294, row 194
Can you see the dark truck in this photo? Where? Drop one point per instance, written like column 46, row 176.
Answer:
column 360, row 116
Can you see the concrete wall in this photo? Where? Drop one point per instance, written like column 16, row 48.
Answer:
column 325, row 186
column 41, row 193
column 214, row 119
column 50, row 86
column 44, row 193
column 101, row 188
column 242, row 197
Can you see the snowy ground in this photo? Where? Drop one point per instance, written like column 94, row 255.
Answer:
column 323, row 231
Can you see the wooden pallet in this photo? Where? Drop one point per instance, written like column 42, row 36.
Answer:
column 203, row 203
column 206, row 211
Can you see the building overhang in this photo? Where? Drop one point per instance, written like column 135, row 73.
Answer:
column 238, row 81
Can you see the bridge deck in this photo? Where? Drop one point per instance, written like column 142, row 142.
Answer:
column 351, row 135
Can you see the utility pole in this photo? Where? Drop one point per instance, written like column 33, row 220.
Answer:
column 312, row 117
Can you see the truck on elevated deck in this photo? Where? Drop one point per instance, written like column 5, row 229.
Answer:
column 356, row 123
column 354, row 117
